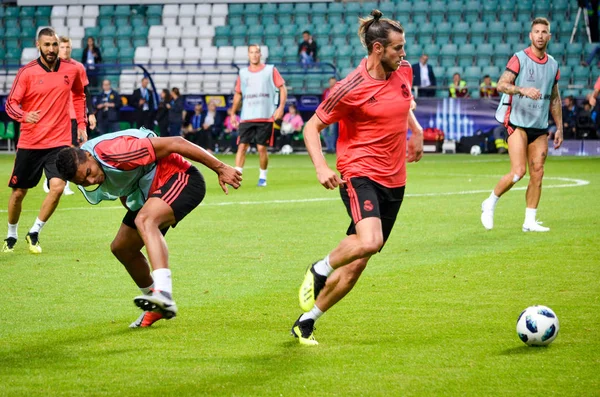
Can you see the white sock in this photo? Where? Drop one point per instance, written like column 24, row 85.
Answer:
column 147, row 290
column 530, row 214
column 313, row 314
column 162, row 280
column 12, row 230
column 323, row 268
column 493, row 198
column 37, row 226
column 240, row 169
column 263, row 174
column 67, row 186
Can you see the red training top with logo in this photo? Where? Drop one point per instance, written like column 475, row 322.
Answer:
column 128, row 152
column 373, row 122
column 85, row 82
column 38, row 88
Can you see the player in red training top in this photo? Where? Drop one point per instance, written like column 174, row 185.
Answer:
column 373, row 108
column 159, row 187
column 39, row 100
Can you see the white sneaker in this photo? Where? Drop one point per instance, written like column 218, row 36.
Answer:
column 487, row 214
column 535, row 227
column 46, row 185
column 68, row 191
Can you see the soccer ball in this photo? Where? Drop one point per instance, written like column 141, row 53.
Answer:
column 475, row 150
column 287, row 149
column 537, row 326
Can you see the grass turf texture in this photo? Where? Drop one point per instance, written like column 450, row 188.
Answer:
column 433, row 314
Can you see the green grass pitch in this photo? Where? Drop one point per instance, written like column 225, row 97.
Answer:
column 434, row 314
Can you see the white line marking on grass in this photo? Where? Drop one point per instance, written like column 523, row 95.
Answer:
column 571, row 182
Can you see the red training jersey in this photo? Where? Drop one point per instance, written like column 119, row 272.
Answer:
column 373, row 122
column 38, row 88
column 84, row 80
column 277, row 80
column 128, row 152
column 597, row 84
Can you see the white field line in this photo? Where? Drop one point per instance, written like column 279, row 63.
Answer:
column 569, row 182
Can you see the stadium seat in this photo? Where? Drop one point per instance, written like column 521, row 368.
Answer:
column 302, row 9
column 335, row 8
column 189, row 34
column 225, row 54
column 201, row 13
column 175, row 55
column 492, row 71
column 448, row 51
column 209, row 55
column 110, row 54
column 58, row 16
column 238, row 31
column 92, row 32
column 108, row 32
column 142, row 55
column 90, row 15
column 192, row 55
column 442, row 33
column 159, row 55
column 170, row 13
column 286, row 9
column 240, row 55
column 503, row 50
column 29, row 54
column 77, row 34
column 269, row 9
column 156, row 35
column 252, row 9
column 126, row 54
column 172, row 36
column 236, row 9
column 74, row 15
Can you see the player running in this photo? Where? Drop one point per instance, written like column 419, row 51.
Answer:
column 39, row 99
column 529, row 88
column 257, row 87
column 158, row 187
column 64, row 53
column 373, row 108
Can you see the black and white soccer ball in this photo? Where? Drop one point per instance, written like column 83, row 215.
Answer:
column 537, row 326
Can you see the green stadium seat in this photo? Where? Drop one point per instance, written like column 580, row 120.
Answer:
column 431, row 50
column 343, row 51
column 335, row 19
column 454, row 69
column 234, row 20
column 27, row 12
column 503, row 50
column 326, row 53
column 356, row 8
column 238, row 41
column 2, row 54
column 442, row 33
column 252, row 9
column 251, row 20
column 121, row 21
column 12, row 33
column 484, row 60
column 472, row 72
column 153, row 20
column 267, row 20
column 272, row 42
column 105, row 21
column 302, row 21
column 11, row 13
column 339, row 42
column 122, row 11
column 496, row 31
column 493, row 71
column 413, row 51
column 222, row 41
column 140, row 31
column 28, row 33
column 108, row 31
column 236, row 9
column 110, row 54
column 42, row 21
column 124, row 41
column 465, row 62
column 13, row 56
column 11, row 23
column 268, row 9
column 455, row 8
column 108, row 11
column 286, row 9
column 289, row 42
column 467, row 51
column 319, row 9
column 319, row 19
column 42, row 11
column 339, row 31
column 524, row 19
column 77, row 53
column 513, row 40
column 92, row 32
column 344, row 63
column 335, row 8
column 573, row 49
column 238, row 31
column 154, row 11
column 222, row 31
column 302, row 9
column 272, row 31
column 566, row 72
column 126, row 55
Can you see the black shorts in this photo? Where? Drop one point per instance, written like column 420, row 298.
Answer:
column 259, row 133
column 184, row 191
column 29, row 164
column 365, row 198
column 74, row 137
column 532, row 133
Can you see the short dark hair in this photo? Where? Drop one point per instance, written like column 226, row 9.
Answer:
column 68, row 160
column 175, row 90
column 486, row 76
column 46, row 32
column 377, row 30
column 306, row 32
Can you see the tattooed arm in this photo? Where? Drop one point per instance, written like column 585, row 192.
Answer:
column 506, row 86
column 556, row 111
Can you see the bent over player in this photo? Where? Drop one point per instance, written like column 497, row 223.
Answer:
column 529, row 88
column 373, row 108
column 159, row 187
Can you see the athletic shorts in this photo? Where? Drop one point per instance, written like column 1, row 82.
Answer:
column 29, row 164
column 365, row 198
column 532, row 133
column 259, row 133
column 184, row 191
column 74, row 137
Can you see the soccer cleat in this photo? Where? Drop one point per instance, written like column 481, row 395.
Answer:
column 34, row 243
column 146, row 319
column 487, row 214
column 67, row 191
column 46, row 185
column 311, row 286
column 535, row 227
column 9, row 244
column 303, row 330
column 159, row 301
column 262, row 183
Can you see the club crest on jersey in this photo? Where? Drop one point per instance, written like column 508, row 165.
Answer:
column 368, row 205
column 66, row 80
column 372, row 100
column 405, row 91
column 14, row 180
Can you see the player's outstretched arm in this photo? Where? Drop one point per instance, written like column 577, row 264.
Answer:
column 168, row 145
column 312, row 139
column 556, row 111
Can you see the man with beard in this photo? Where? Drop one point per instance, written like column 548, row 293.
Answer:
column 39, row 99
column 530, row 90
column 373, row 107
